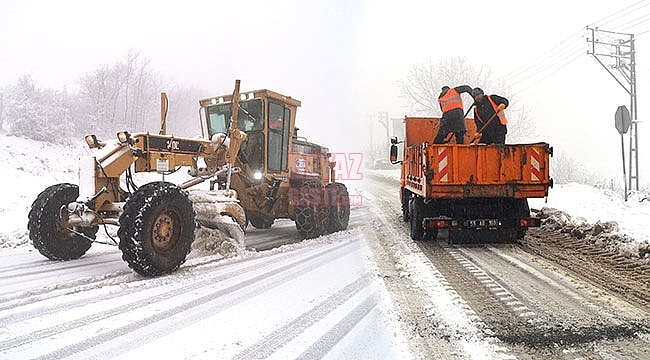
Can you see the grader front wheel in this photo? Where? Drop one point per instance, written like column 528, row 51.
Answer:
column 157, row 229
column 49, row 229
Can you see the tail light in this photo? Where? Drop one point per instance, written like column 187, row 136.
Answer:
column 529, row 222
column 433, row 223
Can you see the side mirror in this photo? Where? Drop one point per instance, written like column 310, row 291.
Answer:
column 393, row 153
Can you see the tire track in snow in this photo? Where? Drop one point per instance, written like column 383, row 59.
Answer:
column 222, row 299
column 232, row 270
column 16, row 299
column 47, row 266
column 267, row 346
column 320, row 348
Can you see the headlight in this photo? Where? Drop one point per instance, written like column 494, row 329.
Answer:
column 258, row 175
column 123, row 137
column 92, row 142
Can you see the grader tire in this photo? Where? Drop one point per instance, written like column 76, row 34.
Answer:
column 157, row 229
column 339, row 207
column 50, row 233
column 311, row 216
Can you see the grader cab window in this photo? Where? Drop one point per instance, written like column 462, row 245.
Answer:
column 277, row 155
column 250, row 116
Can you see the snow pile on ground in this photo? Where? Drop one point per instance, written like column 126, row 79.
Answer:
column 600, row 217
column 606, row 235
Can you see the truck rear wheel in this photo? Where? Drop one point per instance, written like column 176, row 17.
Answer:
column 523, row 211
column 416, row 208
column 339, row 207
column 157, row 229
column 406, row 197
column 49, row 229
column 431, row 234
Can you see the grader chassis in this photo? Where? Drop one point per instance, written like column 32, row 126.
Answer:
column 157, row 220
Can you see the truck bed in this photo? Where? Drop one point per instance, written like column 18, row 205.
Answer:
column 452, row 171
column 464, row 171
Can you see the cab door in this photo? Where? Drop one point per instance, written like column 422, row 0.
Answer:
column 278, row 137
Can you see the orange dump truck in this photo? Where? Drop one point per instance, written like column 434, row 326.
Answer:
column 478, row 192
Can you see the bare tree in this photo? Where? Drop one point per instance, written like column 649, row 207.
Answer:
column 421, row 87
column 183, row 115
column 127, row 88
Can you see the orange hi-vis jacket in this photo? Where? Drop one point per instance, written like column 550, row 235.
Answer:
column 451, row 100
column 500, row 113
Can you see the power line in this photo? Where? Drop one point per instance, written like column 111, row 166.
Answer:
column 545, row 58
column 559, row 64
column 595, row 24
column 640, row 20
column 555, row 59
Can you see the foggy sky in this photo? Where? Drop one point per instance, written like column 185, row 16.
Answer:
column 341, row 58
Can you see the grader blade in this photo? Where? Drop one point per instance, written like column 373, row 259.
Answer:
column 222, row 218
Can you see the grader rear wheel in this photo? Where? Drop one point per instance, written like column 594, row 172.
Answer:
column 339, row 207
column 157, row 229
column 311, row 216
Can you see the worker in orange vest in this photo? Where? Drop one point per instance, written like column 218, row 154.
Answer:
column 452, row 120
column 486, row 107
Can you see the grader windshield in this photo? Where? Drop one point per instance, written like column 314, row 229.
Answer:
column 251, row 116
column 251, row 119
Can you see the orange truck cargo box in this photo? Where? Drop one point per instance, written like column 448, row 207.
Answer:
column 457, row 171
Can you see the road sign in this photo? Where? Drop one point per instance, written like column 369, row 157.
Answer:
column 622, row 119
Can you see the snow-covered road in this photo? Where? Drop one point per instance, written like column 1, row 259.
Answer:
column 314, row 299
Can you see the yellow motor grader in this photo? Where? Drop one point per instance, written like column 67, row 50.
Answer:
column 256, row 166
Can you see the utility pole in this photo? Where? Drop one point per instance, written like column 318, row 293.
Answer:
column 383, row 120
column 618, row 48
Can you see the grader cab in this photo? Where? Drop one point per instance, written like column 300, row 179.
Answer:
column 281, row 175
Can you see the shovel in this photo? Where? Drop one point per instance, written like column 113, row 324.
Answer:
column 478, row 134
